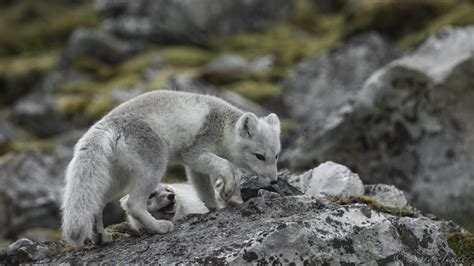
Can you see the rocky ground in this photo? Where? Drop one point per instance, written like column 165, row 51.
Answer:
column 382, row 87
column 331, row 222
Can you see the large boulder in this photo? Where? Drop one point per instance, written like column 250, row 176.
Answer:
column 410, row 125
column 31, row 186
column 189, row 21
column 319, row 86
column 274, row 225
column 291, row 229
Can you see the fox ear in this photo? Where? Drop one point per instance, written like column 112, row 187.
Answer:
column 247, row 125
column 272, row 120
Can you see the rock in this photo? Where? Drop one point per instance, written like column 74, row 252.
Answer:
column 328, row 179
column 192, row 84
column 25, row 250
column 410, row 125
column 290, row 229
column 36, row 112
column 31, row 194
column 236, row 63
column 230, row 68
column 252, row 186
column 31, row 189
column 22, row 242
column 97, row 44
column 317, row 87
column 189, row 21
column 8, row 134
column 387, row 194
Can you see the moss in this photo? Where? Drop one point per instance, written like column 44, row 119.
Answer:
column 462, row 245
column 163, row 76
column 121, row 230
column 254, row 90
column 306, row 16
column 185, row 56
column 288, row 126
column 98, row 69
column 375, row 205
column 19, row 74
column 91, row 97
column 288, row 44
column 393, row 17
column 68, row 105
column 459, row 16
column 99, row 106
column 45, row 145
column 31, row 25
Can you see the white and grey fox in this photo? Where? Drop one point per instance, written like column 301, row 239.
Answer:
column 175, row 201
column 134, row 143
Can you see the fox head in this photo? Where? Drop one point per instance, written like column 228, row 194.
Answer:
column 258, row 144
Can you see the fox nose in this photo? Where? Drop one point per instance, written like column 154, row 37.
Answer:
column 170, row 197
column 273, row 182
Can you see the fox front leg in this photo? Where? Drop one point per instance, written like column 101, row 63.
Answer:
column 215, row 167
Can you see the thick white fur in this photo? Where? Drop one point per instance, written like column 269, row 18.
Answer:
column 134, row 143
column 186, row 202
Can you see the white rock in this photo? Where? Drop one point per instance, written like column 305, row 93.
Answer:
column 387, row 194
column 329, row 178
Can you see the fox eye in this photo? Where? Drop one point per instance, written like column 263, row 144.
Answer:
column 152, row 195
column 260, row 157
column 276, row 157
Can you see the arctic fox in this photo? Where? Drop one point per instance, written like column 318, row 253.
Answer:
column 174, row 201
column 134, row 143
column 169, row 202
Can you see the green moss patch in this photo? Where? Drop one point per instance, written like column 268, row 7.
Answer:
column 393, row 17
column 375, row 205
column 463, row 246
column 29, row 25
column 19, row 74
column 121, row 230
column 185, row 56
column 254, row 90
column 286, row 42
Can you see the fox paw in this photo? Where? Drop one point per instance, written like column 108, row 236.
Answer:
column 102, row 239
column 227, row 192
column 162, row 226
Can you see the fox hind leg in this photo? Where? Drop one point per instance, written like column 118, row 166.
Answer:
column 100, row 237
column 147, row 156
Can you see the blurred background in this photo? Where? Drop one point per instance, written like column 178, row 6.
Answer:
column 385, row 87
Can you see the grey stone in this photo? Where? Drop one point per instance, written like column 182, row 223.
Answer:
column 251, row 186
column 190, row 83
column 317, row 87
column 328, row 179
column 387, row 195
column 292, row 229
column 22, row 242
column 410, row 125
column 189, row 21
column 37, row 113
column 235, row 63
column 31, row 186
column 8, row 133
column 97, row 44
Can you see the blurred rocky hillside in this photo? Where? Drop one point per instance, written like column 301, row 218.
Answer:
column 384, row 87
